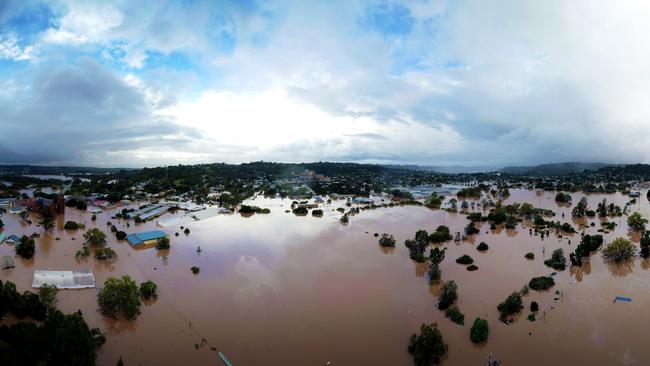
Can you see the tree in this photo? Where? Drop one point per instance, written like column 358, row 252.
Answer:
column 557, row 260
column 455, row 315
column 464, row 259
column 620, row 249
column 387, row 240
column 104, row 253
column 441, row 234
column 480, row 331
column 448, row 295
column 119, row 296
column 47, row 295
column 148, row 290
column 25, row 247
column 427, row 347
column 636, row 222
column 163, row 243
column 512, row 305
column 581, row 208
column 541, row 283
column 95, row 237
column 71, row 225
column 471, row 229
column 46, row 218
column 563, row 197
column 645, row 244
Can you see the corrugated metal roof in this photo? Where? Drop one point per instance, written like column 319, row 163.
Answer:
column 64, row 279
column 138, row 238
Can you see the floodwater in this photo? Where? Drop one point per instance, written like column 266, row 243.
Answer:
column 279, row 289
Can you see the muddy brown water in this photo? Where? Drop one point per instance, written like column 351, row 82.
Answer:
column 284, row 290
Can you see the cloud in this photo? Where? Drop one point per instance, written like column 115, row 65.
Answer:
column 81, row 114
column 415, row 81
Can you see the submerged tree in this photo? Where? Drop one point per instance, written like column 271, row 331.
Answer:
column 25, row 247
column 636, row 222
column 427, row 347
column 480, row 331
column 119, row 296
column 95, row 237
column 620, row 249
column 448, row 295
column 46, row 218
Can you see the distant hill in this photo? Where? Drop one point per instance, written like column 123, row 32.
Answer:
column 53, row 170
column 555, row 168
column 452, row 169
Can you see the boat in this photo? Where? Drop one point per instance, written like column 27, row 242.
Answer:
column 225, row 359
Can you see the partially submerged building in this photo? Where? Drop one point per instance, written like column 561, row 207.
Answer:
column 64, row 279
column 146, row 238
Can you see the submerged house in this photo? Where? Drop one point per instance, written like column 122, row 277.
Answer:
column 146, row 238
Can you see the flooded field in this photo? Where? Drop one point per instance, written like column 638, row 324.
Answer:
column 279, row 289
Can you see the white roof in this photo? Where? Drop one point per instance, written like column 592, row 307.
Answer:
column 64, row 279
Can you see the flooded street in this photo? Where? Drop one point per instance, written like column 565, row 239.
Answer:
column 279, row 289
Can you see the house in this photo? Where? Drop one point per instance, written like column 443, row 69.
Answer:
column 6, row 202
column 634, row 194
column 146, row 238
column 2, row 237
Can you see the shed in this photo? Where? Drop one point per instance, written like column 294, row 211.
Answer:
column 146, row 237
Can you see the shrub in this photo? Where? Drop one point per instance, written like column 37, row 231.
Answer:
column 482, row 246
column 472, row 268
column 567, row 228
column 441, row 235
column 119, row 296
column 95, row 237
column 619, row 250
column 471, row 229
column 480, row 331
column 512, row 305
column 448, row 295
column 464, row 259
column 636, row 222
column 541, row 283
column 427, row 347
column 195, row 269
column 387, row 240
column 530, row 255
column 301, row 211
column 455, row 315
column 563, row 197
column 557, row 260
column 317, row 213
column 71, row 225
column 186, row 231
column 47, row 295
column 105, row 253
column 148, row 290
column 534, row 306
column 26, row 247
column 163, row 243
column 120, row 235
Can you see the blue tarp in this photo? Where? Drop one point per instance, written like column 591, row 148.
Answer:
column 622, row 298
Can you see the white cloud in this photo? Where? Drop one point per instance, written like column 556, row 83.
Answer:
column 11, row 50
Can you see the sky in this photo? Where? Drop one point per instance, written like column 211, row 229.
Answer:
column 427, row 82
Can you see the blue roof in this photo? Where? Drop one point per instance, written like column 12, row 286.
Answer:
column 138, row 238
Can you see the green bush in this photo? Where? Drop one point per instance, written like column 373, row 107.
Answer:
column 472, row 268
column 195, row 269
column 479, row 331
column 464, row 259
column 25, row 247
column 163, row 243
column 71, row 225
column 120, row 235
column 448, row 295
column 442, row 234
column 471, row 229
column 541, row 283
column 119, row 296
column 482, row 246
column 455, row 315
column 105, row 253
column 387, row 240
column 530, row 255
column 557, row 260
column 619, row 250
column 148, row 290
column 512, row 305
column 427, row 348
